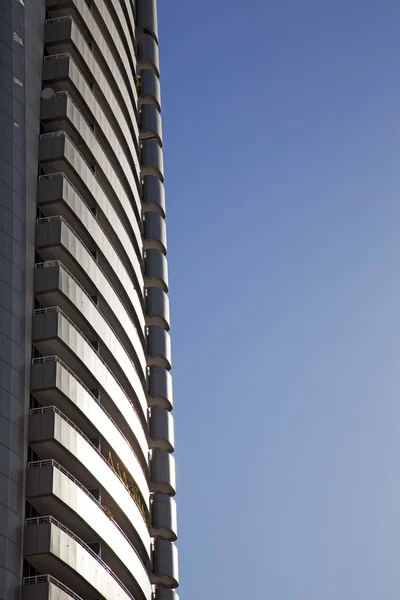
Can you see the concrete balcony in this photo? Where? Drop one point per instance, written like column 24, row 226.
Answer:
column 57, row 152
column 86, row 21
column 162, row 429
column 62, row 74
column 165, row 564
column 150, row 123
column 155, row 233
column 150, row 89
column 51, row 489
column 163, row 478
column 153, row 198
column 53, row 436
column 54, row 383
column 113, row 170
column 56, row 195
column 46, row 587
column 160, row 388
column 152, row 158
column 147, row 16
column 53, row 548
column 54, row 333
column 157, row 308
column 159, row 347
column 156, row 270
column 164, row 520
column 59, row 199
column 65, row 37
column 148, row 54
column 65, row 253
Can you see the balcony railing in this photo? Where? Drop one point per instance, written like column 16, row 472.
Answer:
column 40, row 464
column 50, row 579
column 51, row 309
column 53, row 218
column 51, row 359
column 54, row 409
column 62, row 175
column 49, row 519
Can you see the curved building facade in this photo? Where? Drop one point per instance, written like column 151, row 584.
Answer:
column 87, row 434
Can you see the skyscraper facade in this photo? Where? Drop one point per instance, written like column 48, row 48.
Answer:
column 87, row 472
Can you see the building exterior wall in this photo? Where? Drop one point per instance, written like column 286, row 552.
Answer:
column 21, row 55
column 85, row 388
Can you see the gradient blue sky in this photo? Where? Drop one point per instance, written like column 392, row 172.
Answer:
column 282, row 148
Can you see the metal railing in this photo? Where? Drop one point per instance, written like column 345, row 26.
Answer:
column 40, row 464
column 52, row 134
column 54, row 358
column 57, row 263
column 58, row 19
column 60, row 133
column 49, row 519
column 57, row 56
column 54, row 263
column 133, row 171
column 62, row 175
column 51, row 309
column 53, row 218
column 54, row 409
column 50, row 579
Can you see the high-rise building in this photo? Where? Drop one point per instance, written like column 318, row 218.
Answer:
column 87, row 474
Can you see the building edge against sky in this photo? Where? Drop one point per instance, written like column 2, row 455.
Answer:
column 87, row 472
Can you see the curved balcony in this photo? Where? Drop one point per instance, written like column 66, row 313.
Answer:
column 62, row 113
column 64, row 36
column 46, row 587
column 129, row 32
column 55, row 285
column 156, row 269
column 61, row 73
column 163, row 478
column 165, row 564
column 147, row 16
column 83, row 16
column 64, row 76
column 55, row 334
column 162, row 429
column 150, row 89
column 57, row 196
column 52, row 547
column 53, row 436
column 56, row 241
column 148, row 54
column 155, row 232
column 164, row 521
column 153, row 195
column 150, row 123
column 51, row 489
column 160, row 388
column 58, row 153
column 52, row 382
column 152, row 159
column 157, row 308
column 159, row 347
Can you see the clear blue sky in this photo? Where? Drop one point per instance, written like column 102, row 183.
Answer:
column 281, row 127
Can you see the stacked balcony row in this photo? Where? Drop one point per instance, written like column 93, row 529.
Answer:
column 155, row 247
column 102, row 478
